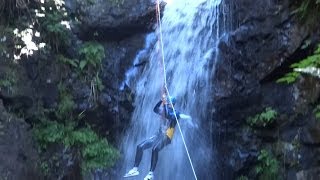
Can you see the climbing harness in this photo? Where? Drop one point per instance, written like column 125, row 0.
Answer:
column 166, row 88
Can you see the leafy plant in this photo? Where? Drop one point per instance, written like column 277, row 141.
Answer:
column 98, row 154
column 44, row 166
column 94, row 2
column 267, row 167
column 317, row 112
column 49, row 132
column 96, row 86
column 242, row 178
column 8, row 80
column 6, row 38
column 310, row 61
column 308, row 10
column 72, row 62
column 95, row 152
column 52, row 24
column 264, row 118
column 98, row 82
column 66, row 104
column 289, row 78
column 92, row 54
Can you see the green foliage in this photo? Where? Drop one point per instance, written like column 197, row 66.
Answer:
column 98, row 82
column 7, row 80
column 1, row 129
column 55, row 33
column 44, row 166
column 98, row 154
column 72, row 62
column 317, row 112
column 95, row 152
column 6, row 34
column 92, row 54
column 118, row 2
column 264, row 118
column 49, row 132
column 310, row 61
column 66, row 104
column 82, row 136
column 93, row 2
column 242, row 178
column 289, row 78
column 268, row 166
column 308, row 10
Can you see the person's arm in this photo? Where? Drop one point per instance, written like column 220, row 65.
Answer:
column 189, row 120
column 184, row 116
column 156, row 108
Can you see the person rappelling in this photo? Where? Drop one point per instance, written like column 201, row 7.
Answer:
column 162, row 138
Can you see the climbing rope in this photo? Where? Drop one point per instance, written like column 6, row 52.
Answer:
column 166, row 88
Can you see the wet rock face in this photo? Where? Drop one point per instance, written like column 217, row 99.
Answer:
column 313, row 173
column 112, row 111
column 250, row 53
column 113, row 19
column 266, row 37
column 19, row 156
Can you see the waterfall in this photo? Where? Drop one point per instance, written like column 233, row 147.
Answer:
column 191, row 30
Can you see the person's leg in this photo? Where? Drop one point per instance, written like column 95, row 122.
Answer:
column 141, row 147
column 155, row 151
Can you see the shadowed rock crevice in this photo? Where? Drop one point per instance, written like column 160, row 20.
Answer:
column 280, row 71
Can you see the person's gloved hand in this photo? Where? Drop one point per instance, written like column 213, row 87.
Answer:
column 164, row 99
column 190, row 122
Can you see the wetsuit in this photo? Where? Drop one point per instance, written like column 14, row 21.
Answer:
column 162, row 138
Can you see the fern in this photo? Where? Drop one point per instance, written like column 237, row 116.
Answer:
column 263, row 119
column 98, row 155
column 71, row 62
column 91, row 56
column 289, row 78
column 92, row 53
column 317, row 112
column 268, row 166
column 66, row 104
column 310, row 61
column 48, row 132
column 55, row 33
column 95, row 151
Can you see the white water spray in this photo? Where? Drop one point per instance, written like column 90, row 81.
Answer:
column 190, row 33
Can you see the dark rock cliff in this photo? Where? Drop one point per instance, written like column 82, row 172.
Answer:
column 19, row 156
column 266, row 40
column 121, row 27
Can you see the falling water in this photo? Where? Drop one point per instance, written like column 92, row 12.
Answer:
column 191, row 29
